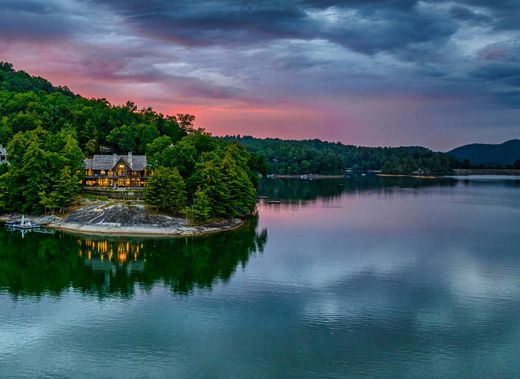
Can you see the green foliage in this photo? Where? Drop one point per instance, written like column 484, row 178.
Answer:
column 27, row 103
column 220, row 179
column 64, row 192
column 182, row 155
column 48, row 130
column 166, row 190
column 186, row 122
column 319, row 157
column 42, row 172
column 200, row 209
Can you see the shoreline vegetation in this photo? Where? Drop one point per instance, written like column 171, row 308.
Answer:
column 455, row 172
column 118, row 218
column 194, row 178
column 50, row 134
column 294, row 157
column 486, row 171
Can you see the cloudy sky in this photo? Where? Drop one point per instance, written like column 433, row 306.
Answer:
column 369, row 72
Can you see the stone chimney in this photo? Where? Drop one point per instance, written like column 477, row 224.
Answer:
column 130, row 159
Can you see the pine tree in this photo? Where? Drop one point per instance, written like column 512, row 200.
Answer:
column 33, row 172
column 200, row 210
column 66, row 190
column 166, row 190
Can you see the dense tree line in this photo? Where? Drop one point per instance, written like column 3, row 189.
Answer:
column 467, row 164
column 49, row 130
column 201, row 177
column 27, row 103
column 42, row 173
column 320, row 157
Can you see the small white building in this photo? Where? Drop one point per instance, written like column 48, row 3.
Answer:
column 3, row 155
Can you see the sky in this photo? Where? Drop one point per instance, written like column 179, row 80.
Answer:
column 366, row 72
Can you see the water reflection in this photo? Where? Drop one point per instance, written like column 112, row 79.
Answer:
column 37, row 265
column 295, row 192
column 385, row 282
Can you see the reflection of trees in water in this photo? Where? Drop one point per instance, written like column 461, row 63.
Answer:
column 297, row 191
column 484, row 182
column 40, row 264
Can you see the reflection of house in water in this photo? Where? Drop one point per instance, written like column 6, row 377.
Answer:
column 108, row 255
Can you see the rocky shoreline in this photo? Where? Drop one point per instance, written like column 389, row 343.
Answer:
column 132, row 220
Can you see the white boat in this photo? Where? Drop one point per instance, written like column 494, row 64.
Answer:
column 22, row 224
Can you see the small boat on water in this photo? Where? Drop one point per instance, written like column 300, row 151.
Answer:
column 22, row 224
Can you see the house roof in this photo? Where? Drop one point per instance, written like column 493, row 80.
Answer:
column 107, row 162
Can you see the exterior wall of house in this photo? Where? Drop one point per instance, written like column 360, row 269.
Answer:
column 98, row 179
column 119, row 176
column 111, row 179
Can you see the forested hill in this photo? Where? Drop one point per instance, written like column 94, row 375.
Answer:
column 49, row 131
column 478, row 154
column 320, row 157
column 27, row 103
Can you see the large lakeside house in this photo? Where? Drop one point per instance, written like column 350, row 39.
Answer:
column 3, row 155
column 116, row 171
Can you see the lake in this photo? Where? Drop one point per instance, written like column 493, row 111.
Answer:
column 368, row 276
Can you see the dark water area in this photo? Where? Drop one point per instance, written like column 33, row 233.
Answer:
column 363, row 277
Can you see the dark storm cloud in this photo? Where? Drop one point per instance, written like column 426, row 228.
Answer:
column 464, row 14
column 32, row 20
column 411, row 31
column 505, row 13
column 342, row 53
column 375, row 25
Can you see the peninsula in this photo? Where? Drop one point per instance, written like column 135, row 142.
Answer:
column 63, row 150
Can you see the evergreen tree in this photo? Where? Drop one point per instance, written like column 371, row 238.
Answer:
column 200, row 210
column 66, row 189
column 166, row 190
column 33, row 171
column 240, row 192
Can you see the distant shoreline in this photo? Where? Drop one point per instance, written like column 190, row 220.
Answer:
column 304, row 176
column 409, row 176
column 486, row 171
column 456, row 172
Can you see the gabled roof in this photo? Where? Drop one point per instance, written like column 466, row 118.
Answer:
column 108, row 162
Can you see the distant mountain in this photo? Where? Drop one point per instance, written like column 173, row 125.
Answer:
column 488, row 154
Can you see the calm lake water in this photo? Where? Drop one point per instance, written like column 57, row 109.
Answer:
column 369, row 276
